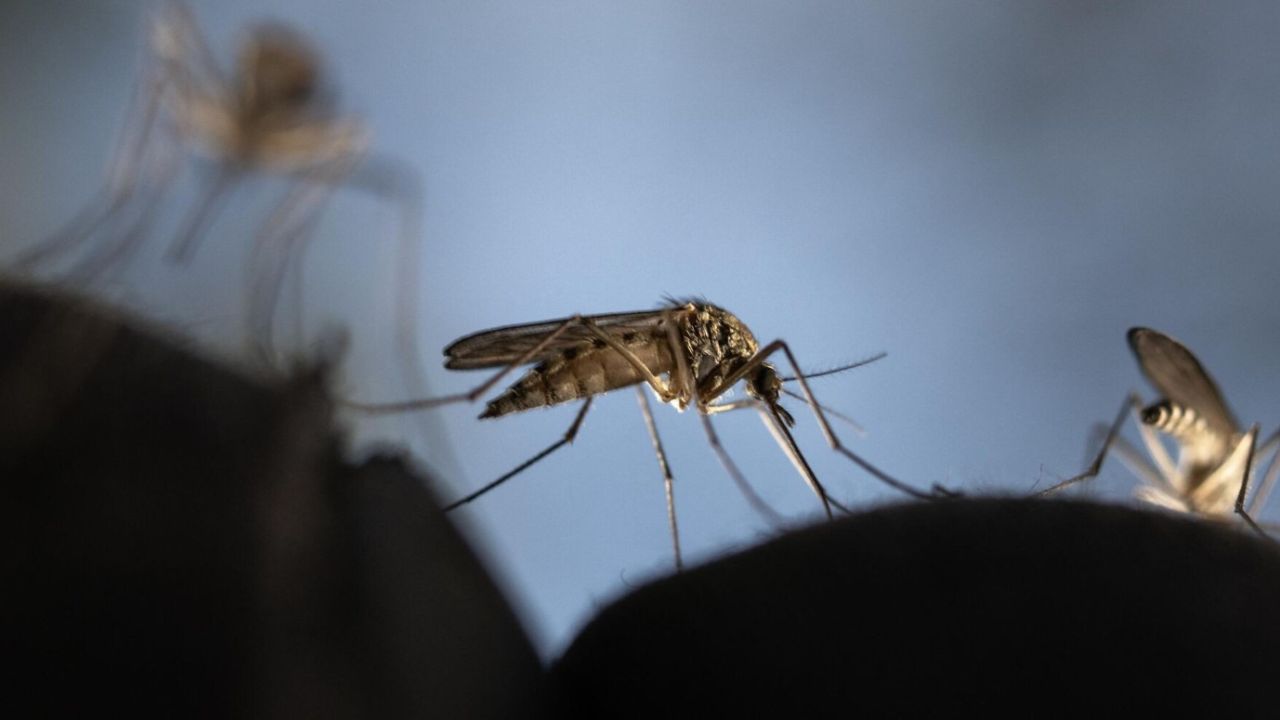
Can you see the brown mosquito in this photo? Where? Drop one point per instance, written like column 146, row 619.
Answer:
column 1215, row 457
column 268, row 116
column 690, row 353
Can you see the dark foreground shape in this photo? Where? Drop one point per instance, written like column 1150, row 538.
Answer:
column 1016, row 607
column 180, row 541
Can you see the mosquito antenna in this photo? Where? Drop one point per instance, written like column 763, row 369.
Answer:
column 833, row 371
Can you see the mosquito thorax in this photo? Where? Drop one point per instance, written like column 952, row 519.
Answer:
column 716, row 341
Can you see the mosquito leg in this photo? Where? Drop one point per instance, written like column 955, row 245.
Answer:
column 744, row 487
column 1131, row 402
column 117, row 246
column 393, row 181
column 121, row 246
column 194, row 227
column 1244, row 487
column 1268, row 447
column 285, row 233
column 122, row 179
column 1138, row 464
column 80, row 229
column 569, row 435
column 668, row 481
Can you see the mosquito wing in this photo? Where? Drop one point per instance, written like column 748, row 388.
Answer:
column 505, row 345
column 1179, row 376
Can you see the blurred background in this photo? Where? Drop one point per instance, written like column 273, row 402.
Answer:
column 990, row 192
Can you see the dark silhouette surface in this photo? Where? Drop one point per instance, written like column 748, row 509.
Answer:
column 180, row 540
column 1011, row 606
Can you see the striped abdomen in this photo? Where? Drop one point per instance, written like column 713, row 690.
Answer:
column 1200, row 444
column 589, row 369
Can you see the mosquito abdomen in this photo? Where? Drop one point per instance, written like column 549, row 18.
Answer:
column 581, row 372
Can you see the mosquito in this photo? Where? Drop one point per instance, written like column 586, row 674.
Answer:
column 268, row 116
column 689, row 353
column 1215, row 457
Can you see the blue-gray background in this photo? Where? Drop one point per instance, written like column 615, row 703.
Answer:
column 991, row 192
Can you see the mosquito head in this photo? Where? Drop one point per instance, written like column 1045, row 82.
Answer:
column 765, row 385
column 278, row 70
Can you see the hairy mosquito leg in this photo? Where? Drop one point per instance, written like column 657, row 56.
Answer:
column 748, row 492
column 1270, row 446
column 1131, row 403
column 569, row 435
column 668, row 481
column 1244, row 487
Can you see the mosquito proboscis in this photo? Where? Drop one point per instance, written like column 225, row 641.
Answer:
column 690, row 353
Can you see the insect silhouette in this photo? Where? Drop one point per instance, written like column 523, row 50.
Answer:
column 690, row 353
column 1215, row 457
column 269, row 116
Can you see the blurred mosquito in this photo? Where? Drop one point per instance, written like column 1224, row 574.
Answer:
column 1215, row 457
column 268, row 116
column 701, row 349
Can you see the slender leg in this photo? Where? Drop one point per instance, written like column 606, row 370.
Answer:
column 1268, row 447
column 1131, row 402
column 280, row 243
column 123, row 178
column 202, row 213
column 393, row 181
column 1244, row 487
column 668, row 481
column 1138, row 464
column 119, row 247
column 569, row 435
column 748, row 492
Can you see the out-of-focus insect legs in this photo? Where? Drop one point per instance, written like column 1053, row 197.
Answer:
column 568, row 437
column 127, row 172
column 202, row 213
column 667, row 479
column 279, row 243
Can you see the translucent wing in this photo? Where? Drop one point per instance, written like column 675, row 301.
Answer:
column 1176, row 373
column 505, row 345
